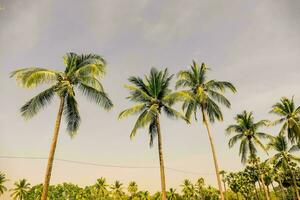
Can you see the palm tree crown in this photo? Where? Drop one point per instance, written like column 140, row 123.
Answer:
column 247, row 132
column 82, row 72
column 284, row 154
column 152, row 96
column 21, row 189
column 202, row 94
column 2, row 181
column 290, row 117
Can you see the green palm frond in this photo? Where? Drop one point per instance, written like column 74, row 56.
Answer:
column 92, row 82
column 32, row 107
column 145, row 118
column 72, row 115
column 219, row 98
column 172, row 113
column 34, row 76
column 234, row 140
column 133, row 110
column 96, row 96
column 138, row 95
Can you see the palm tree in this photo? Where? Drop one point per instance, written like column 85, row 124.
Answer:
column 152, row 96
column 117, row 190
column 204, row 95
column 21, row 189
column 284, row 157
column 2, row 181
column 290, row 117
column 188, row 189
column 83, row 72
column 144, row 195
column 101, row 187
column 171, row 194
column 132, row 188
column 247, row 132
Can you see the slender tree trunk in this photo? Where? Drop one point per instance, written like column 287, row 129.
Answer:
column 256, row 193
column 260, row 176
column 224, row 184
column 52, row 150
column 214, row 154
column 161, row 162
column 282, row 190
column 268, row 190
column 275, row 192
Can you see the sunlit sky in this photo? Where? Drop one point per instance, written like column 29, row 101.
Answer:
column 254, row 44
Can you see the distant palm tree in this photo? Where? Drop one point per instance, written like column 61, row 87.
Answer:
column 152, row 96
column 223, row 174
column 132, row 188
column 2, row 181
column 283, row 157
column 204, row 95
column 83, row 72
column 171, row 194
column 117, row 190
column 144, row 195
column 188, row 189
column 101, row 187
column 21, row 189
column 290, row 117
column 248, row 133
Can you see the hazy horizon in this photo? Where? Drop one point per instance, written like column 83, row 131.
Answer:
column 253, row 44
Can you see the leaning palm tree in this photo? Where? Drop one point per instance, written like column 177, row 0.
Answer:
column 204, row 95
column 284, row 157
column 290, row 118
column 21, row 189
column 152, row 96
column 248, row 133
column 82, row 72
column 2, row 181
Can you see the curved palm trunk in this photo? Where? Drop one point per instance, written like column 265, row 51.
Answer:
column 161, row 162
column 282, row 190
column 214, row 154
column 52, row 150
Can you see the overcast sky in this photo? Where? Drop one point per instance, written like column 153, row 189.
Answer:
column 254, row 44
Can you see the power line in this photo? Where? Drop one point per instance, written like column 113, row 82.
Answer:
column 104, row 165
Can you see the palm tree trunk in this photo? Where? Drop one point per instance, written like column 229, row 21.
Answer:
column 224, row 184
column 276, row 195
column 256, row 193
column 214, row 154
column 260, row 176
column 161, row 161
column 52, row 150
column 282, row 190
column 295, row 186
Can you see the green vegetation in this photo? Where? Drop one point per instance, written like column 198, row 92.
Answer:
column 277, row 178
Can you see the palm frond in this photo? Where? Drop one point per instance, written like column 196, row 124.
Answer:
column 99, row 97
column 172, row 113
column 71, row 115
column 138, row 95
column 133, row 110
column 34, row 76
column 32, row 107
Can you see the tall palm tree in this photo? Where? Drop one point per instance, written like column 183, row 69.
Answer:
column 248, row 133
column 83, row 72
column 284, row 157
column 117, row 190
column 290, row 118
column 188, row 189
column 152, row 96
column 21, row 189
column 101, row 187
column 204, row 95
column 2, row 181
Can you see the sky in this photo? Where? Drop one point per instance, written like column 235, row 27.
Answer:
column 254, row 44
